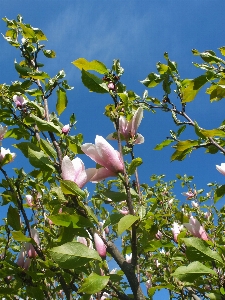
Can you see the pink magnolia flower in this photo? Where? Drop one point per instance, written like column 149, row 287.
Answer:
column 176, row 229
column 4, row 152
column 2, row 132
column 104, row 296
column 111, row 86
column 27, row 263
column 75, row 171
column 194, row 204
column 221, row 168
column 105, row 155
column 66, row 129
column 158, row 235
column 20, row 259
column 196, row 228
column 189, row 194
column 29, row 247
column 19, row 101
column 129, row 128
column 82, row 240
column 99, row 245
column 148, row 284
column 124, row 211
column 207, row 215
column 128, row 258
column 30, row 200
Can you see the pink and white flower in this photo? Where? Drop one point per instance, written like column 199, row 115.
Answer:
column 189, row 194
column 19, row 101
column 106, row 156
column 99, row 245
column 75, row 171
column 129, row 128
column 196, row 228
column 194, row 204
column 129, row 258
column 176, row 229
column 66, row 129
column 4, row 152
column 29, row 200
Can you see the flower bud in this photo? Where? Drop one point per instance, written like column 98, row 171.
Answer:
column 99, row 245
column 66, row 129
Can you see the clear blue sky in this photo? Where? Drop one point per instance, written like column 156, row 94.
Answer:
column 138, row 33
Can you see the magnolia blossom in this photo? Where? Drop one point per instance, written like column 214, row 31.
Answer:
column 66, row 129
column 148, row 284
column 104, row 296
column 170, row 202
column 159, row 235
column 221, row 168
column 128, row 258
column 4, row 152
column 19, row 101
column 196, row 228
column 194, row 204
column 157, row 263
column 207, row 215
column 129, row 128
column 111, row 86
column 124, row 211
column 21, row 261
column 2, row 131
column 75, row 171
column 189, row 194
column 30, row 200
column 105, row 155
column 82, row 240
column 99, row 245
column 176, row 229
column 29, row 247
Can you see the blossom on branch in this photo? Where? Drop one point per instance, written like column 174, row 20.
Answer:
column 176, row 229
column 106, row 156
column 128, row 258
column 196, row 228
column 19, row 101
column 128, row 129
column 75, row 171
column 189, row 194
column 4, row 152
column 66, row 129
column 99, row 245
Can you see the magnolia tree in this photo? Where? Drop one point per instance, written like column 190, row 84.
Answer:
column 58, row 241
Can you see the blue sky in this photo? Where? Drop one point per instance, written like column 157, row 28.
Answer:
column 138, row 33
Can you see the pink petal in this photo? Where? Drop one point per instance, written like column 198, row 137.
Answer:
column 102, row 174
column 78, row 166
column 68, row 172
column 136, row 120
column 99, row 245
column 85, row 176
column 140, row 139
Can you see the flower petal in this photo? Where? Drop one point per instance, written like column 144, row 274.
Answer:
column 68, row 172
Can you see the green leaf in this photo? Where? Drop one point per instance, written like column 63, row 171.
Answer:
column 39, row 34
column 117, row 67
column 94, row 65
column 183, row 145
column 180, row 155
column 20, row 237
column 152, row 80
column 39, row 160
column 197, row 249
column 126, row 222
column 24, row 146
column 49, row 53
column 192, row 272
column 28, row 32
column 115, row 196
column 163, row 144
column 162, row 68
column 222, row 50
column 152, row 290
column 48, row 148
column 24, row 71
column 113, row 219
column 13, row 218
column 71, row 188
column 66, row 220
column 34, row 293
column 61, row 101
column 212, row 132
column 219, row 193
column 73, row 254
column 93, row 284
column 194, row 86
column 133, row 165
column 93, row 83
column 42, row 124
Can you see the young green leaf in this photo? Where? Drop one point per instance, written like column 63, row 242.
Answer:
column 93, row 284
